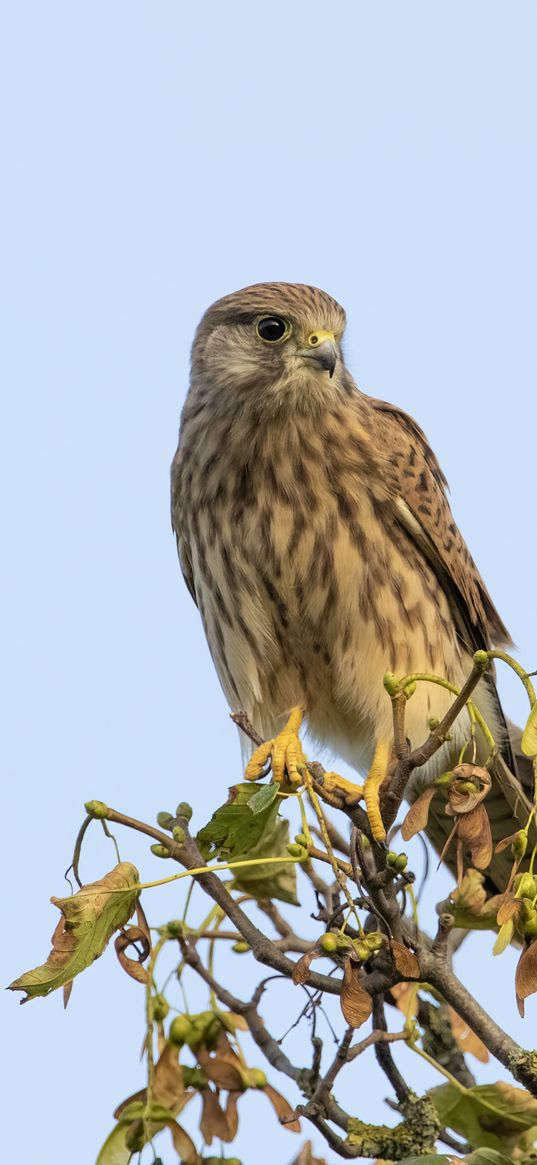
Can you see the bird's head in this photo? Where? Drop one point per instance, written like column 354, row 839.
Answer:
column 281, row 340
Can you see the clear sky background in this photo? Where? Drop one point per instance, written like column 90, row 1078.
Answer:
column 156, row 156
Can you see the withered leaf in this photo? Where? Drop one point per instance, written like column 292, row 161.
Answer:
column 526, row 976
column 133, row 967
column 213, row 1121
column 474, row 829
column 418, row 814
column 356, row 1003
column 282, row 1108
column 301, row 971
column 89, row 919
column 405, row 961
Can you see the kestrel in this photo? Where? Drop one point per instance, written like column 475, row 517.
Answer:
column 316, row 538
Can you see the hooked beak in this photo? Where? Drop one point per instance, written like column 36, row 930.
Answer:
column 321, row 348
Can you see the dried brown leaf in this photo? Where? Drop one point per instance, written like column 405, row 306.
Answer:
column 301, row 971
column 466, row 1038
column 418, row 814
column 526, row 976
column 356, row 1003
column 405, row 961
column 133, row 967
column 213, row 1122
column 282, row 1108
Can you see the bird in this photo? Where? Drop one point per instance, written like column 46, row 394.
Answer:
column 316, row 538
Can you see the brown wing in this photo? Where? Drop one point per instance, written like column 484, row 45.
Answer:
column 425, row 512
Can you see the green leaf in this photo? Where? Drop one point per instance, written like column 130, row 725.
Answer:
column 237, row 827
column 89, row 919
column 114, row 1151
column 528, row 743
column 490, row 1116
column 264, row 797
column 488, row 1157
column 270, row 880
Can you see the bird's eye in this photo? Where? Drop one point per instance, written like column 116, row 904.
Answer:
column 272, row 329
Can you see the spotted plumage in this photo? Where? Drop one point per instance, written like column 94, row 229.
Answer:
column 315, row 534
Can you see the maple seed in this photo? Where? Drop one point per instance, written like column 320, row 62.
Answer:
column 328, row 943
column 160, row 1008
column 180, row 1030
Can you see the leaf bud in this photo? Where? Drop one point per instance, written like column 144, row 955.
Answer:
column 410, row 689
column 301, row 839
column 164, row 820
column 391, row 684
column 175, row 928
column 481, row 659
column 184, row 810
column 401, row 862
column 241, row 947
column 178, row 834
column 391, row 858
column 96, row 809
column 160, row 851
column 296, row 851
column 362, row 951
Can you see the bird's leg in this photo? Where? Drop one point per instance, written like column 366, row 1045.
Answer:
column 351, row 793
column 375, row 779
column 284, row 752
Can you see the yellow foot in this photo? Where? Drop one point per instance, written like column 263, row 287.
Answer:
column 284, row 752
column 351, row 793
column 373, row 783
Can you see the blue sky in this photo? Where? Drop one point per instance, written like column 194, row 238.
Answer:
column 154, row 157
